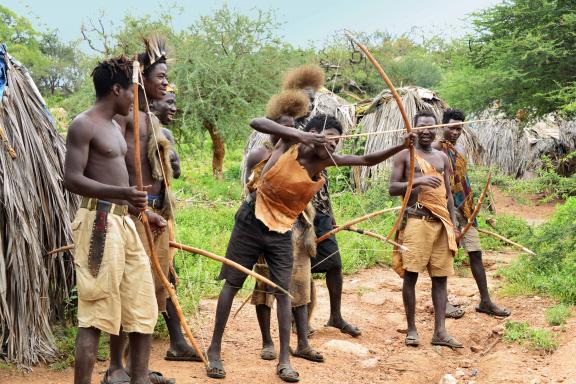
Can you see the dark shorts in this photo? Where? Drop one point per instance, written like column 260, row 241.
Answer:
column 251, row 238
column 327, row 253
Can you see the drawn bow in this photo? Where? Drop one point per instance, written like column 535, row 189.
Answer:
column 407, row 126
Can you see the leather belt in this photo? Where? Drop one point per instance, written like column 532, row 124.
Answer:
column 93, row 204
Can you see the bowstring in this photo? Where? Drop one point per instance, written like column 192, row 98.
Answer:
column 197, row 322
column 338, row 168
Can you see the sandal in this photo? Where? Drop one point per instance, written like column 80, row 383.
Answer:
column 447, row 342
column 268, row 353
column 215, row 369
column 308, row 354
column 504, row 312
column 188, row 355
column 348, row 329
column 115, row 380
column 454, row 312
column 412, row 340
column 157, row 378
column 286, row 373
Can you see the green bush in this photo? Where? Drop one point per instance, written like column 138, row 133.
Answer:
column 558, row 314
column 553, row 270
column 535, row 338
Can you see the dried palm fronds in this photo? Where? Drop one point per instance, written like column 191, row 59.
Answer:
column 517, row 149
column 35, row 213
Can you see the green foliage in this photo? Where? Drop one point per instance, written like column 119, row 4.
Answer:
column 66, row 344
column 535, row 338
column 520, row 56
column 558, row 314
column 553, row 270
column 22, row 40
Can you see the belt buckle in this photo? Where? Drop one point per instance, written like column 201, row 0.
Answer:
column 103, row 206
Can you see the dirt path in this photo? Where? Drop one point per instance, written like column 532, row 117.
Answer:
column 372, row 300
column 535, row 212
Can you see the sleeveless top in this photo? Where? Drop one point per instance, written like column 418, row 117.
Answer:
column 283, row 192
column 436, row 201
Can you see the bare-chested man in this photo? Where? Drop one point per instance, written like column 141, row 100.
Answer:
column 429, row 231
column 114, row 279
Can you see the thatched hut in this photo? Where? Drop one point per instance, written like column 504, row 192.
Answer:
column 35, row 213
column 326, row 102
column 517, row 149
column 382, row 114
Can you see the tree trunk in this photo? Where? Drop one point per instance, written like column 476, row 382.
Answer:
column 218, row 150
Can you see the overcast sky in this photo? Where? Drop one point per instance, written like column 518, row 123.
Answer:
column 304, row 21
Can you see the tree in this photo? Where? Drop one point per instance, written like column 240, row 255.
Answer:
column 22, row 41
column 520, row 56
column 227, row 67
column 63, row 71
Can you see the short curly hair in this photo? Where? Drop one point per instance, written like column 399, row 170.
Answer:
column 453, row 114
column 320, row 122
column 117, row 70
column 304, row 76
column 290, row 102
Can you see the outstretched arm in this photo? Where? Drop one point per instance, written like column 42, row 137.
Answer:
column 288, row 134
column 372, row 158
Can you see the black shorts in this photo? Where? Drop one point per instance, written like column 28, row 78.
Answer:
column 251, row 238
column 327, row 253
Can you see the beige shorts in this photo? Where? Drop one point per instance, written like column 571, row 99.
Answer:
column 471, row 240
column 427, row 242
column 122, row 294
column 162, row 248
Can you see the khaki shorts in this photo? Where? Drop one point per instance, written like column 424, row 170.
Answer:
column 162, row 248
column 471, row 240
column 122, row 294
column 427, row 242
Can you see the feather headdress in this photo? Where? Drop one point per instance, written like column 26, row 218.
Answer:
column 157, row 51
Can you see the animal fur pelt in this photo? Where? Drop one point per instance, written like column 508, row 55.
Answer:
column 159, row 149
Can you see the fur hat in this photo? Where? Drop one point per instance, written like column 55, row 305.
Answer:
column 304, row 76
column 290, row 102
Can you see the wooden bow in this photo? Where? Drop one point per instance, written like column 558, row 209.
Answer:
column 352, row 222
column 476, row 209
column 231, row 263
column 149, row 236
column 407, row 125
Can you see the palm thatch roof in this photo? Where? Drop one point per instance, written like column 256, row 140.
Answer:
column 326, row 102
column 35, row 213
column 382, row 114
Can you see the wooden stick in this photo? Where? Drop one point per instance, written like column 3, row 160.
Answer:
column 402, row 130
column 61, row 249
column 523, row 248
column 231, row 263
column 354, row 221
column 149, row 236
column 377, row 236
